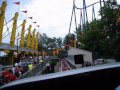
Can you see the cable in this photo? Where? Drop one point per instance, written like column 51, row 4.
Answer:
column 17, row 31
column 7, row 35
column 7, row 30
column 7, row 26
column 7, row 22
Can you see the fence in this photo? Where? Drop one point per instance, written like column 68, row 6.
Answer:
column 37, row 70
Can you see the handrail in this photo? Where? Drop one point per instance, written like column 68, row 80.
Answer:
column 35, row 70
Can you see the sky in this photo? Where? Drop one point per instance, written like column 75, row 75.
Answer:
column 53, row 16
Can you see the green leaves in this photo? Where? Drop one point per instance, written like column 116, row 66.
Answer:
column 103, row 36
column 47, row 44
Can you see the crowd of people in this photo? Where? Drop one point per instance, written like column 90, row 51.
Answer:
column 18, row 69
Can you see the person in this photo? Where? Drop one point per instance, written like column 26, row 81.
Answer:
column 16, row 70
column 41, row 61
column 5, row 75
column 1, row 81
column 25, row 68
column 30, row 66
column 11, row 76
column 52, row 66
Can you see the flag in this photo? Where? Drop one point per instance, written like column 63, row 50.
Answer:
column 38, row 25
column 17, row 3
column 35, row 22
column 25, row 11
column 30, row 17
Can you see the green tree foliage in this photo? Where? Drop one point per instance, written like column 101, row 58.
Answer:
column 69, row 39
column 48, row 44
column 103, row 36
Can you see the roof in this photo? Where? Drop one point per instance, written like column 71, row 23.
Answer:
column 5, row 46
column 64, row 73
column 76, row 51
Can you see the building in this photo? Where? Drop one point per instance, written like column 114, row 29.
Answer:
column 79, row 57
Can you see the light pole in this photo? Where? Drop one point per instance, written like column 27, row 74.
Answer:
column 17, row 47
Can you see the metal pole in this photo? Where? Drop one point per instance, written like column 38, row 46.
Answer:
column 42, row 46
column 42, row 51
column 101, row 8
column 83, row 14
column 17, row 49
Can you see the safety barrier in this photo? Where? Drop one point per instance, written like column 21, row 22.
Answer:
column 70, row 64
column 37, row 70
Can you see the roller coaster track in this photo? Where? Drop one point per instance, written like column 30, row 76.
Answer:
column 83, row 12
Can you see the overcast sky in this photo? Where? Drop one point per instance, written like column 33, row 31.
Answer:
column 53, row 16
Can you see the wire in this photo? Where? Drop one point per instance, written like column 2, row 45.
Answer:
column 7, row 35
column 7, row 30
column 17, row 32
column 7, row 22
column 7, row 26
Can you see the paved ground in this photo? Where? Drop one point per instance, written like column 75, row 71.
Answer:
column 57, row 67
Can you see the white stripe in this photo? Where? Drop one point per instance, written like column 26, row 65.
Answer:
column 68, row 65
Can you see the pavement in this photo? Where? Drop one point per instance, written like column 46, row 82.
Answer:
column 57, row 67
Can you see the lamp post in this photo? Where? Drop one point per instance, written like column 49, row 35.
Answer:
column 17, row 47
column 42, row 40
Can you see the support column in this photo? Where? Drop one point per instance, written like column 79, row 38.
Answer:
column 22, row 34
column 12, row 40
column 28, row 37
column 33, row 40
column 74, row 43
column 2, row 15
column 36, row 42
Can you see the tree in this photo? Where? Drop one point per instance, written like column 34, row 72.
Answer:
column 69, row 39
column 48, row 44
column 103, row 35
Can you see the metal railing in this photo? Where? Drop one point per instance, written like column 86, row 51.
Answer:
column 70, row 64
column 37, row 70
